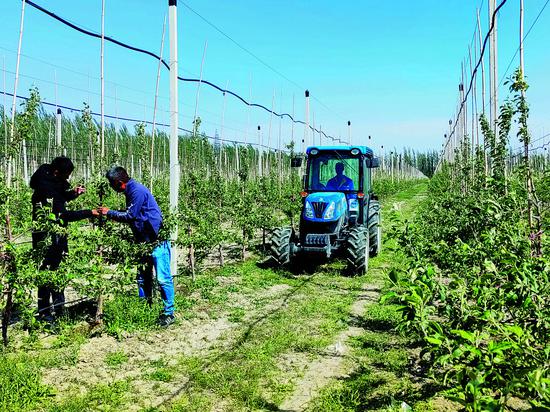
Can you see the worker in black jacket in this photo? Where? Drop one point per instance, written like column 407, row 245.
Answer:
column 51, row 188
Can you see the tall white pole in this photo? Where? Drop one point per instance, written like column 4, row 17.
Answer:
column 259, row 152
column 349, row 132
column 199, row 89
column 223, row 124
column 174, row 161
column 521, row 62
column 4, row 118
column 270, row 122
column 292, row 122
column 102, row 79
column 493, row 68
column 482, row 63
column 248, row 109
column 305, row 140
column 14, row 102
column 58, row 129
column 156, row 102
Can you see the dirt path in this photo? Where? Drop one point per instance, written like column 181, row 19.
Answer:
column 336, row 361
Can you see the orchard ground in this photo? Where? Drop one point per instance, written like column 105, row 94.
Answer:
column 248, row 337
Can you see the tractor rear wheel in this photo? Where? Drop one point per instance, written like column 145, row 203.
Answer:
column 377, row 238
column 280, row 245
column 357, row 250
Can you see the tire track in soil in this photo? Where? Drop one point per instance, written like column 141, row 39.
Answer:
column 336, row 361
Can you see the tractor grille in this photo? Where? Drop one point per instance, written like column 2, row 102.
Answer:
column 319, row 208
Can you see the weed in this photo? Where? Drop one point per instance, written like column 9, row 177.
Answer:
column 117, row 358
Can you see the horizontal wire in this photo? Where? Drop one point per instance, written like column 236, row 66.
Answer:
column 166, row 65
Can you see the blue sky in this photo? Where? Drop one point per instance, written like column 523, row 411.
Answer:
column 391, row 68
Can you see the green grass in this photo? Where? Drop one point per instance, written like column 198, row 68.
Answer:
column 115, row 359
column 129, row 313
column 20, row 383
column 101, row 397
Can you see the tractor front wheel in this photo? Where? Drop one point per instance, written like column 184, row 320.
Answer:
column 357, row 250
column 280, row 245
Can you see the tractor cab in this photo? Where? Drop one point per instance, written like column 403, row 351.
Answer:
column 340, row 211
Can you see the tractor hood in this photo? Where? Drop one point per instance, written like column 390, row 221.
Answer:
column 325, row 206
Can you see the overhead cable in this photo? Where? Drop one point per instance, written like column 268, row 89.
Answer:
column 165, row 64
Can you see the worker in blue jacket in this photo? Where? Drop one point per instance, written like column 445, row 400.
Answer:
column 145, row 219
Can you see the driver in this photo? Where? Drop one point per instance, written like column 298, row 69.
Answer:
column 340, row 181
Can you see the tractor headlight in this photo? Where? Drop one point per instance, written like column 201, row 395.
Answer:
column 329, row 214
column 309, row 211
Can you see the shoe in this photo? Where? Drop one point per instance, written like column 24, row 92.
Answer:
column 165, row 320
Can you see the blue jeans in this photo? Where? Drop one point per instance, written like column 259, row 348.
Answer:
column 160, row 260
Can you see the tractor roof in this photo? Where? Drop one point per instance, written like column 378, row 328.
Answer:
column 364, row 149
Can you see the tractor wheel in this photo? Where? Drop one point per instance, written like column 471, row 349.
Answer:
column 357, row 250
column 280, row 245
column 375, row 228
column 377, row 239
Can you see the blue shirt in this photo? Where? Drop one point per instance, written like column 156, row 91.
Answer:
column 340, row 183
column 142, row 212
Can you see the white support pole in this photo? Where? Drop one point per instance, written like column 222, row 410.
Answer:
column 222, row 125
column 174, row 161
column 320, row 135
column 305, row 140
column 292, row 122
column 493, row 68
column 313, row 132
column 102, row 79
column 482, row 63
column 14, row 102
column 4, row 118
column 248, row 110
column 270, row 122
column 259, row 151
column 521, row 61
column 199, row 89
column 156, row 102
column 349, row 132
column 58, row 129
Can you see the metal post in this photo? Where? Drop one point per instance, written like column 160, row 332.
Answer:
column 292, row 122
column 493, row 68
column 222, row 125
column 270, row 121
column 156, row 102
column 174, row 161
column 14, row 102
column 102, row 80
column 349, row 132
column 482, row 63
column 305, row 140
column 58, row 130
column 313, row 133
column 521, row 62
column 199, row 89
column 259, row 152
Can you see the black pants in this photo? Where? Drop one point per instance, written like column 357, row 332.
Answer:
column 52, row 259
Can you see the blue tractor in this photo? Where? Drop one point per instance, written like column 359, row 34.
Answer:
column 340, row 213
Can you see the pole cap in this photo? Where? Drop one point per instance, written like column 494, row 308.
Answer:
column 172, row 2
column 307, row 93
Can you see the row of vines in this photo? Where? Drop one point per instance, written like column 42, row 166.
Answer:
column 476, row 291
